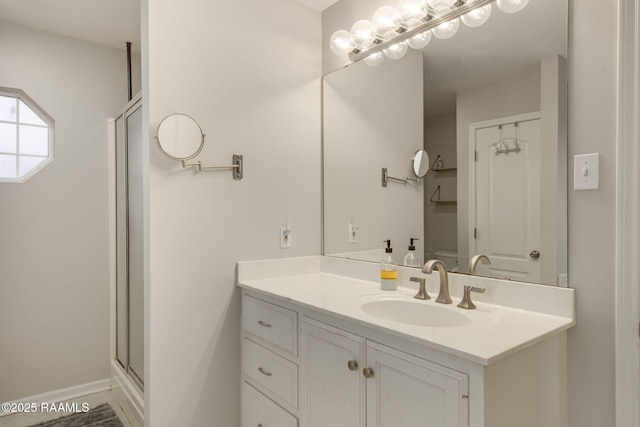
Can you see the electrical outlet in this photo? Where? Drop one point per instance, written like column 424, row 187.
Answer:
column 285, row 237
column 353, row 233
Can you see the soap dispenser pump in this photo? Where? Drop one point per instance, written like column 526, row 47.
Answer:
column 388, row 270
column 411, row 259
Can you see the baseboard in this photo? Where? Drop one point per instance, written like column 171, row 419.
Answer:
column 65, row 393
column 127, row 394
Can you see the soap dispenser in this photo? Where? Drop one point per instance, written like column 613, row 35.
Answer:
column 411, row 259
column 388, row 270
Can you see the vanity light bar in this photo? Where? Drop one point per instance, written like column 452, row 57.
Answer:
column 432, row 22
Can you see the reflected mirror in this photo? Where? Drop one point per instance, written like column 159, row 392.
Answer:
column 489, row 106
column 420, row 163
column 180, row 137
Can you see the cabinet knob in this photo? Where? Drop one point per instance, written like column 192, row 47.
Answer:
column 534, row 254
column 353, row 365
column 367, row 372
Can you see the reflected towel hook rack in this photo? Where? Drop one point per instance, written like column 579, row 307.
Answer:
column 502, row 145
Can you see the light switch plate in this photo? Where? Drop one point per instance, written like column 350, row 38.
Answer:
column 586, row 171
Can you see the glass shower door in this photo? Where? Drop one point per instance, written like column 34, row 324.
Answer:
column 129, row 243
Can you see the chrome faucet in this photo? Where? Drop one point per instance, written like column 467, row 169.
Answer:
column 443, row 296
column 474, row 261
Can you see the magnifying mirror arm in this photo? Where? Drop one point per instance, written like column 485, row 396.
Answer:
column 236, row 166
column 386, row 178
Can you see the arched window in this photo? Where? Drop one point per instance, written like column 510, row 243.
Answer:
column 26, row 136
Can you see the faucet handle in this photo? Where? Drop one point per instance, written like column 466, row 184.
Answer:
column 466, row 302
column 422, row 292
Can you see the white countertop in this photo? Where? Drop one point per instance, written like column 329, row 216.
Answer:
column 495, row 331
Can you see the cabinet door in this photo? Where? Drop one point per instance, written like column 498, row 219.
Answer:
column 405, row 391
column 332, row 386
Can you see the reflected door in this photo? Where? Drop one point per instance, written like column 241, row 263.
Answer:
column 506, row 198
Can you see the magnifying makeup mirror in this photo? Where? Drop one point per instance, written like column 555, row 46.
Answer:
column 420, row 163
column 419, row 167
column 180, row 137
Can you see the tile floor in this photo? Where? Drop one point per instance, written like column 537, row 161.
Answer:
column 27, row 419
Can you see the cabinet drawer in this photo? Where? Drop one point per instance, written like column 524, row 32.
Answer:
column 277, row 375
column 258, row 410
column 271, row 323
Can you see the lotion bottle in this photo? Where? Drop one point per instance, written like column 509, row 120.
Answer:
column 411, row 259
column 388, row 270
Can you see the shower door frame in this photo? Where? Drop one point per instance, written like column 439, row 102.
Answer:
column 117, row 364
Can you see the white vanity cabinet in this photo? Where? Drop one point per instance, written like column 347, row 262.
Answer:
column 338, row 379
column 308, row 341
column 409, row 391
column 332, row 386
column 269, row 364
column 348, row 381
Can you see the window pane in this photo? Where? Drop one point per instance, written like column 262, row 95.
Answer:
column 34, row 140
column 26, row 163
column 8, row 137
column 28, row 116
column 8, row 108
column 7, row 166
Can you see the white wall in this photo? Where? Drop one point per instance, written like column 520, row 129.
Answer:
column 249, row 73
column 54, row 283
column 592, row 70
column 362, row 134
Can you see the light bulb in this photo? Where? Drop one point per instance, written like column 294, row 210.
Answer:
column 396, row 51
column 363, row 34
column 374, row 59
column 420, row 40
column 386, row 20
column 477, row 17
column 447, row 29
column 440, row 5
column 416, row 9
column 512, row 6
column 340, row 43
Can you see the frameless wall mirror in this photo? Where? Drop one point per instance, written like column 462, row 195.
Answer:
column 489, row 106
column 180, row 138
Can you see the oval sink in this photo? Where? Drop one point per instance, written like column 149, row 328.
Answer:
column 415, row 312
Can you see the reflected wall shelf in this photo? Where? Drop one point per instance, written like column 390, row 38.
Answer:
column 436, row 166
column 436, row 193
